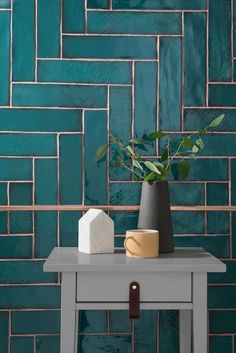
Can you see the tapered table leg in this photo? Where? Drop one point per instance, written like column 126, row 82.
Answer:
column 185, row 331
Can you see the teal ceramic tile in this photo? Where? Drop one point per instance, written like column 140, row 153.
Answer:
column 98, row 4
column 27, row 144
column 195, row 119
column 220, row 344
column 145, row 332
column 97, row 344
column 25, row 272
column 41, row 120
column 159, row 5
column 188, row 222
column 106, row 47
column 73, row 16
column 69, row 228
column 145, row 98
column 119, row 321
column 95, row 134
column 218, row 222
column 233, row 182
column 221, row 297
column 226, row 277
column 169, row 334
column 45, row 233
column 35, row 322
column 25, row 297
column 119, row 241
column 222, row 95
column 4, row 57
column 48, row 344
column 186, row 193
column 3, row 222
column 219, row 40
column 50, row 95
column 218, row 245
column 217, row 194
column 20, row 193
column 124, row 221
column 194, row 52
column 22, row 344
column 21, row 222
column 3, row 193
column 70, row 169
column 46, row 188
column 4, row 324
column 19, row 247
column 134, row 22
column 222, row 321
column 84, row 71
column 120, row 118
column 92, row 321
column 48, row 28
column 5, row 4
column 15, row 169
column 125, row 193
column 170, row 84
column 234, row 234
column 23, row 40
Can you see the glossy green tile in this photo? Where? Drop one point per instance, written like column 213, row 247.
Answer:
column 21, row 193
column 84, row 71
column 188, row 222
column 46, row 188
column 124, row 221
column 70, row 169
column 159, row 5
column 35, row 322
column 134, row 22
column 145, row 332
column 50, row 95
column 125, row 193
column 120, row 118
column 45, row 233
column 219, row 344
column 218, row 245
column 95, row 134
column 3, row 193
column 106, row 47
column 170, row 84
column 4, row 324
column 98, row 4
column 69, row 228
column 221, row 297
column 22, row 344
column 21, row 222
column 73, row 16
column 18, row 247
column 4, row 57
column 233, row 181
column 217, row 194
column 222, row 95
column 97, row 344
column 145, row 97
column 119, row 321
column 219, row 40
column 186, row 193
column 92, row 321
column 5, row 4
column 222, row 321
column 23, row 40
column 27, row 144
column 169, row 336
column 234, row 234
column 194, row 52
column 24, row 297
column 15, row 169
column 48, row 28
column 218, row 222
column 225, row 277
column 48, row 344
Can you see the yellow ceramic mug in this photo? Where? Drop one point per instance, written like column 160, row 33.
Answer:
column 143, row 243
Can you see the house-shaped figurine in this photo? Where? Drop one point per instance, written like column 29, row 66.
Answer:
column 96, row 232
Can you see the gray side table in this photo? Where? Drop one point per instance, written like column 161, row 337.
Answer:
column 101, row 281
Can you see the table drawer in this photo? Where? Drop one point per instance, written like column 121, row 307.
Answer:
column 114, row 287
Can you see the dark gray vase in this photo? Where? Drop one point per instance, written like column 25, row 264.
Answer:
column 155, row 213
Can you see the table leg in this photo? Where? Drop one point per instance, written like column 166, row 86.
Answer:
column 185, row 331
column 68, row 313
column 200, row 313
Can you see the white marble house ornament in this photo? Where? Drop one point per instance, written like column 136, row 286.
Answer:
column 96, row 232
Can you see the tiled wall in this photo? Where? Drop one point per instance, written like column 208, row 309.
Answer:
column 69, row 70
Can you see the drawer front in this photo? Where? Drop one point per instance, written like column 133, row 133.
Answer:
column 114, row 287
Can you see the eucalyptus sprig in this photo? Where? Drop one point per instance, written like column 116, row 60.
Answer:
column 171, row 159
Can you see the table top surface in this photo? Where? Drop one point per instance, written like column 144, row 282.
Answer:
column 65, row 259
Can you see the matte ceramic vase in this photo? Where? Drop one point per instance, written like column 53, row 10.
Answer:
column 155, row 213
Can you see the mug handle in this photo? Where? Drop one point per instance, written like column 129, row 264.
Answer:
column 126, row 247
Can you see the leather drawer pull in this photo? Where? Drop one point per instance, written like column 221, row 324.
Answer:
column 134, row 300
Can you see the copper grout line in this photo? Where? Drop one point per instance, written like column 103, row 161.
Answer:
column 158, row 89
column 207, row 53
column 11, row 61
column 22, row 260
column 132, row 336
column 232, row 40
column 108, row 150
column 36, row 40
column 17, row 235
column 28, row 284
column 61, row 29
column 8, row 204
column 133, row 83
column 143, row 10
column 157, row 331
column 111, row 35
column 9, row 332
column 58, row 188
column 35, row 350
column 33, row 201
column 221, row 83
column 83, row 166
column 210, row 107
column 182, row 76
column 52, row 108
column 110, row 5
column 205, row 204
column 34, row 334
column 5, row 9
column 103, row 334
column 233, row 344
column 75, row 83
column 230, row 213
column 175, row 181
column 108, row 320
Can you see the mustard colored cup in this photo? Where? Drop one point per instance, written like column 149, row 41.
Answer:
column 142, row 243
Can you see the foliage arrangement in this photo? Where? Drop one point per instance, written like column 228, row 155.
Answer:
column 174, row 148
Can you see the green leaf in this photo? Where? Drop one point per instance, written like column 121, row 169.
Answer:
column 152, row 167
column 117, row 163
column 183, row 168
column 217, row 121
column 202, row 131
column 131, row 151
column 187, row 142
column 156, row 135
column 199, row 143
column 101, row 152
column 158, row 165
column 137, row 141
column 150, row 176
column 164, row 155
column 195, row 149
column 137, row 164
